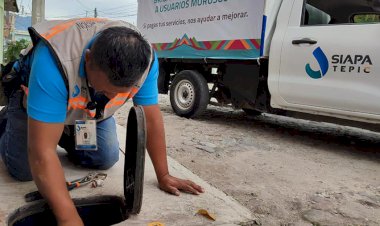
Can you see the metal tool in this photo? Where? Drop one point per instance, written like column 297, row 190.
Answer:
column 36, row 195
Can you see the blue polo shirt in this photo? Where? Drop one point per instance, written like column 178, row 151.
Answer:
column 48, row 95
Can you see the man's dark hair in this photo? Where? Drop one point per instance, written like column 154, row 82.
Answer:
column 122, row 53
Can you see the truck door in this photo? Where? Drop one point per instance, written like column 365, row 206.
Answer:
column 330, row 59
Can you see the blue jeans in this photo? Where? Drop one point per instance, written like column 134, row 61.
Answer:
column 13, row 142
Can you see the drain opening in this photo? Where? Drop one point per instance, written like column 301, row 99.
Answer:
column 102, row 210
column 99, row 211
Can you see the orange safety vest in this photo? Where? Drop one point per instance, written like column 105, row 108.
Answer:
column 67, row 40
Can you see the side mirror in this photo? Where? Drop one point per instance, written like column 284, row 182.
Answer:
column 360, row 18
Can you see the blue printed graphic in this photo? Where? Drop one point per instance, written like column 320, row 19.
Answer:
column 76, row 91
column 323, row 64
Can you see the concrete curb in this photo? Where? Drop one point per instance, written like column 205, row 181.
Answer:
column 157, row 205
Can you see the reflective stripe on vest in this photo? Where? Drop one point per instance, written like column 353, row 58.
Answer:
column 67, row 39
column 62, row 27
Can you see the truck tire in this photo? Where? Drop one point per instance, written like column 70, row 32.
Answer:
column 189, row 94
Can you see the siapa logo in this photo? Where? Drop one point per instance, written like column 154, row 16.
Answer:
column 340, row 63
column 352, row 63
column 76, row 91
column 323, row 64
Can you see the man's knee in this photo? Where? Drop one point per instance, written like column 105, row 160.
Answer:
column 21, row 175
column 108, row 163
column 14, row 152
column 108, row 150
column 19, row 170
column 108, row 157
column 102, row 159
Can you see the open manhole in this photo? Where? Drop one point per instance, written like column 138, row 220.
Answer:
column 102, row 210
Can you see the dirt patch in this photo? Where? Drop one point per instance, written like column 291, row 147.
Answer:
column 286, row 171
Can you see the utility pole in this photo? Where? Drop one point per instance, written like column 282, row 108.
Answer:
column 95, row 13
column 38, row 11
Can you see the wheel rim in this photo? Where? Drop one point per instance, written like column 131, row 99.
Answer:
column 184, row 95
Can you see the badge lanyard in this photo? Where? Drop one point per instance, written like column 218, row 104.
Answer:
column 85, row 135
column 85, row 132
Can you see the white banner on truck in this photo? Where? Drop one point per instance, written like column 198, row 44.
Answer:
column 162, row 21
column 203, row 28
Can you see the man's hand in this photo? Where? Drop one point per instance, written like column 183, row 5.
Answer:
column 157, row 150
column 173, row 185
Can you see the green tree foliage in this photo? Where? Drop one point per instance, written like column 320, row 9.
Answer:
column 13, row 51
column 367, row 18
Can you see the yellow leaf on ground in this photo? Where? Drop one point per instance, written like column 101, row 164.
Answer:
column 156, row 224
column 205, row 213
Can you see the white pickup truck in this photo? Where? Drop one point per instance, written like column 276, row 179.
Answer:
column 303, row 58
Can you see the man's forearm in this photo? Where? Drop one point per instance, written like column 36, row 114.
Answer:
column 156, row 144
column 47, row 170
column 48, row 175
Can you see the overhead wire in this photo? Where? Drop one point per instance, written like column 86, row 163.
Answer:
column 125, row 10
column 120, row 7
column 70, row 16
column 130, row 15
column 80, row 3
column 117, row 8
column 119, row 12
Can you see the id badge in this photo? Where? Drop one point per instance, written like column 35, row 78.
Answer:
column 85, row 135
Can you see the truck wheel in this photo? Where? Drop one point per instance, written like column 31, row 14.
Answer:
column 251, row 112
column 189, row 94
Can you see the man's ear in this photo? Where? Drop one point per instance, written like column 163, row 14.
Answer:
column 87, row 55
